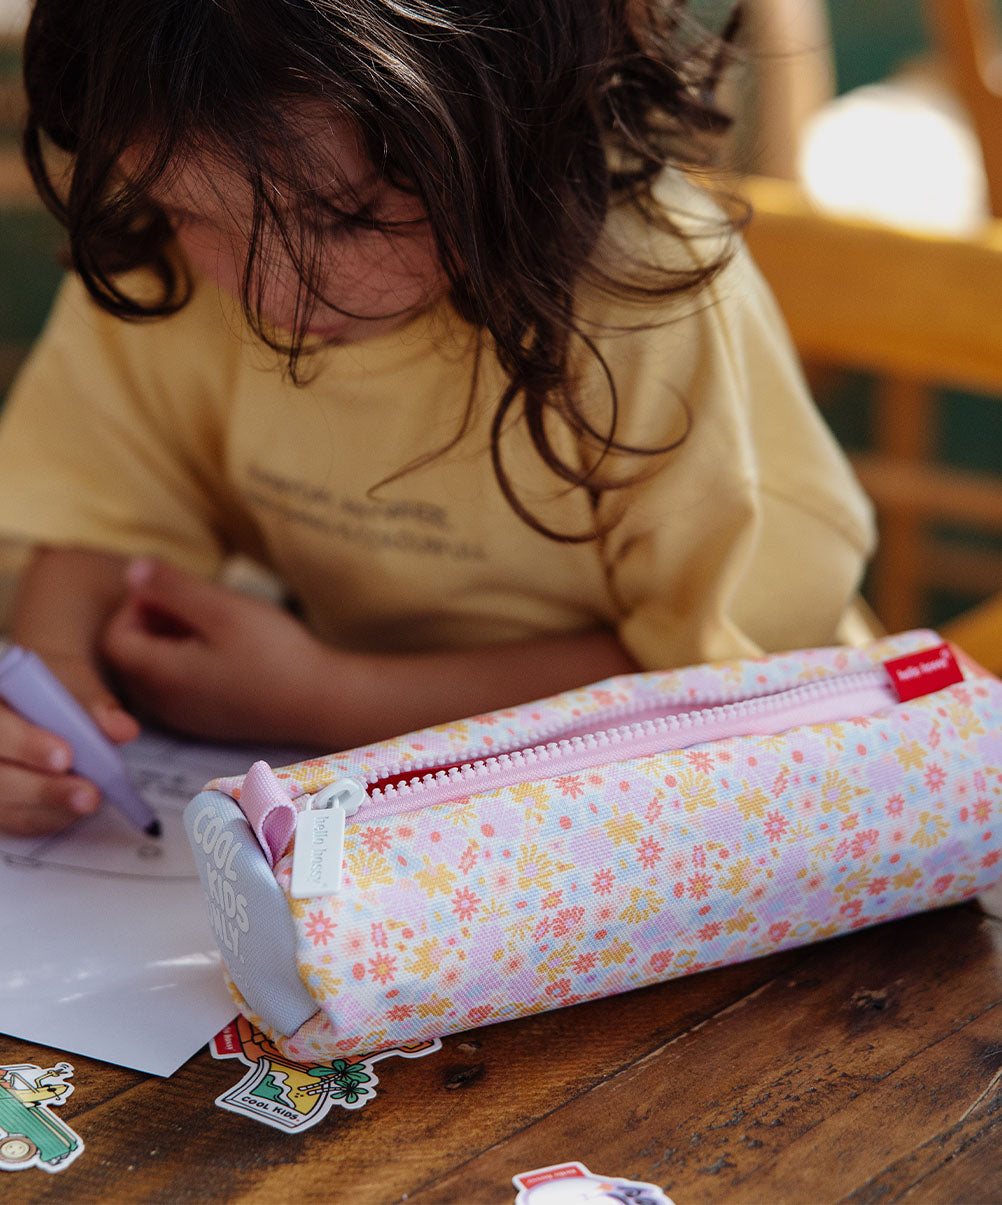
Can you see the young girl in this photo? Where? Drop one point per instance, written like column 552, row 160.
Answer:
column 411, row 302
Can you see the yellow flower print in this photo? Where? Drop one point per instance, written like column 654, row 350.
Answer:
column 432, row 879
column 434, row 1007
column 535, row 868
column 907, row 878
column 738, row 877
column 965, row 719
column 623, row 829
column 427, row 958
column 696, row 791
column 535, row 797
column 931, row 830
column 558, row 962
column 463, row 812
column 752, row 804
column 739, row 923
column 522, row 928
column 618, row 951
column 911, row 755
column 367, row 868
column 494, row 908
column 837, row 791
column 642, row 905
column 329, row 983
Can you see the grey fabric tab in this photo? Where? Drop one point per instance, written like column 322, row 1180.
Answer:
column 248, row 912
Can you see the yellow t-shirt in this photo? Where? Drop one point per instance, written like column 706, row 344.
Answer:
column 182, row 438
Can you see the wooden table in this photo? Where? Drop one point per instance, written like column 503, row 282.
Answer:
column 867, row 1068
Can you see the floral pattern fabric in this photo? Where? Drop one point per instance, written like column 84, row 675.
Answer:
column 577, row 885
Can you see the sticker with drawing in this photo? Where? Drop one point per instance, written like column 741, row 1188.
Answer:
column 295, row 1096
column 31, row 1135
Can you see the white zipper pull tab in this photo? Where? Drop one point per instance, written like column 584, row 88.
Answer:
column 318, row 854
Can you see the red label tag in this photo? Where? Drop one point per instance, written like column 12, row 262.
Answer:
column 922, row 673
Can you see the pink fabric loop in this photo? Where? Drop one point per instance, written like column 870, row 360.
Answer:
column 269, row 810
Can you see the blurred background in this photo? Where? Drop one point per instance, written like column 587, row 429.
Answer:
column 864, row 143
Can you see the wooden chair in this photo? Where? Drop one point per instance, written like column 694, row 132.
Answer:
column 917, row 312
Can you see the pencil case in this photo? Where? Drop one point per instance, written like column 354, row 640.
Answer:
column 645, row 827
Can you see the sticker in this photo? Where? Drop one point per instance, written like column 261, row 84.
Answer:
column 294, row 1096
column 31, row 1135
column 922, row 673
column 571, row 1183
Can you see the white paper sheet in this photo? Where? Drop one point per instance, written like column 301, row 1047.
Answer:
column 107, row 950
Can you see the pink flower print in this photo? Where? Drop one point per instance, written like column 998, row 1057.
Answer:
column 895, row 805
column 852, row 908
column 450, row 977
column 319, row 927
column 649, row 852
column 570, row 785
column 699, row 885
column 353, row 944
column 479, row 1014
column 878, row 886
column 710, row 930
column 601, row 884
column 863, row 842
column 514, row 964
column 982, row 810
column 378, row 936
column 561, row 988
column 585, row 962
column 383, row 967
column 661, row 961
column 700, row 760
column 502, row 880
column 935, row 776
column 990, row 858
column 376, row 840
column 850, row 821
column 552, row 899
column 775, row 825
column 567, row 920
column 400, row 1012
column 465, row 902
column 468, row 859
column 779, row 930
column 541, row 929
column 678, row 864
column 942, row 883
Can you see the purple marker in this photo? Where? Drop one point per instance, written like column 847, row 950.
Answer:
column 35, row 693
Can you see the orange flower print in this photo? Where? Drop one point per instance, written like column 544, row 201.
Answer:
column 661, row 961
column 465, row 903
column 649, row 852
column 775, row 826
column 319, row 928
column 601, row 884
column 383, row 967
column 376, row 840
column 570, row 785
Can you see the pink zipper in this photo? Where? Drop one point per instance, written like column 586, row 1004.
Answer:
column 823, row 701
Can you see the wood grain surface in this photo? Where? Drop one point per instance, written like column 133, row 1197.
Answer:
column 864, row 1069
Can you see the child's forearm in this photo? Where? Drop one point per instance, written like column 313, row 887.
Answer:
column 64, row 599
column 362, row 697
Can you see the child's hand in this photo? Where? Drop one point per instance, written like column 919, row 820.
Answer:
column 201, row 659
column 37, row 793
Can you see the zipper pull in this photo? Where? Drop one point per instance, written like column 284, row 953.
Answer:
column 318, row 855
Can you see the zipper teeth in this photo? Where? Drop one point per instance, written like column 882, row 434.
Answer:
column 617, row 711
column 474, row 768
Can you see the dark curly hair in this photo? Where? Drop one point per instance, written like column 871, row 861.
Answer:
column 517, row 123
